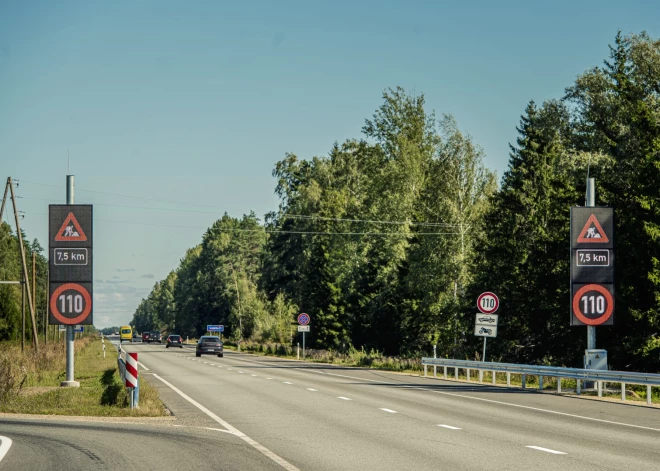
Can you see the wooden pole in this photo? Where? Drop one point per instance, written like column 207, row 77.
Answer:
column 34, row 286
column 23, row 311
column 4, row 199
column 35, row 340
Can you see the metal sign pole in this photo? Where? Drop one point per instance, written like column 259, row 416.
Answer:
column 591, row 201
column 483, row 357
column 303, row 345
column 70, row 334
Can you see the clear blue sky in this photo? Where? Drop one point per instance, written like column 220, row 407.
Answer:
column 194, row 102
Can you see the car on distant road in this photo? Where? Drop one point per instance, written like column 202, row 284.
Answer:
column 174, row 340
column 145, row 336
column 209, row 344
column 126, row 334
column 155, row 336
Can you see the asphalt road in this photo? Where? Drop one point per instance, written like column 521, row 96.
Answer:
column 284, row 414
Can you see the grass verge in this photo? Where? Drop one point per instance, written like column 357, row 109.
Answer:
column 29, row 383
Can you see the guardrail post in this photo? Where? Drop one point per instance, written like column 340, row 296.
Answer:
column 494, row 373
column 445, row 373
column 456, row 372
column 600, row 389
column 524, row 381
column 425, row 369
column 558, row 384
column 508, row 379
column 541, row 382
column 648, row 394
column 435, row 371
column 578, row 387
column 468, row 374
column 481, row 375
column 623, row 391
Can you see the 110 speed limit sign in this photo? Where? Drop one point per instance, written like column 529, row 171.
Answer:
column 488, row 302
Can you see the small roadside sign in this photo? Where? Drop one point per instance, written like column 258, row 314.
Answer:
column 486, row 319
column 303, row 328
column 303, row 319
column 215, row 328
column 79, row 328
column 485, row 331
column 488, row 302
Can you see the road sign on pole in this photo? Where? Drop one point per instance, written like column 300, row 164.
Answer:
column 303, row 319
column 303, row 328
column 70, row 264
column 592, row 266
column 488, row 302
column 485, row 325
column 215, row 328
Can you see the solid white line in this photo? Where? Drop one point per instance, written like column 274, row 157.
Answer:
column 310, row 389
column 388, row 410
column 286, row 382
column 448, row 426
column 5, row 445
column 344, row 398
column 143, row 367
column 492, row 401
column 218, row 430
column 276, row 458
column 547, row 450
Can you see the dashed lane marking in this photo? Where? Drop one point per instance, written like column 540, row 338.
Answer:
column 547, row 450
column 388, row 410
column 449, row 427
column 344, row 398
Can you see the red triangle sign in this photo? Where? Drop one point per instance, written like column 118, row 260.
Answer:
column 592, row 234
column 70, row 231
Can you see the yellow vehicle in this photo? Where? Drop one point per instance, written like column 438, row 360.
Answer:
column 125, row 333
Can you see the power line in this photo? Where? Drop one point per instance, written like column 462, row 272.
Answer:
column 323, row 218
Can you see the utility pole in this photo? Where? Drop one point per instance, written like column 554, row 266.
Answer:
column 34, row 285
column 70, row 333
column 35, row 340
column 591, row 201
column 23, row 318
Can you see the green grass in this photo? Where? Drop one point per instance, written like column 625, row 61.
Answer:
column 100, row 392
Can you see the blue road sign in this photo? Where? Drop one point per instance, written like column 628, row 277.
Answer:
column 303, row 319
column 79, row 328
column 215, row 328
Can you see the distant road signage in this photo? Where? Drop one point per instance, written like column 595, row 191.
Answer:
column 488, row 302
column 486, row 319
column 303, row 328
column 215, row 328
column 79, row 328
column 70, row 257
column 592, row 266
column 303, row 319
column 485, row 330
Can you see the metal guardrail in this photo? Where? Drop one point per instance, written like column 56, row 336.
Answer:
column 600, row 377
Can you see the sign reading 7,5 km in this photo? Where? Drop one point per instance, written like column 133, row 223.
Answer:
column 70, row 264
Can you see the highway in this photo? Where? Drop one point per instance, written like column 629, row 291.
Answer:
column 250, row 412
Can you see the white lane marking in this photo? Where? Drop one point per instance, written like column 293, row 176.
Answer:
column 143, row 367
column 241, row 372
column 492, row 401
column 310, row 389
column 253, row 375
column 276, row 458
column 547, row 450
column 448, row 426
column 230, row 369
column 219, row 366
column 388, row 410
column 287, row 382
column 216, row 429
column 344, row 398
column 212, row 364
column 5, row 445
column 206, row 362
column 269, row 378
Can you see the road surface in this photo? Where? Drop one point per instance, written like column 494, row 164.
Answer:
column 250, row 412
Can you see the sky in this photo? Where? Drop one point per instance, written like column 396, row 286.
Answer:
column 174, row 112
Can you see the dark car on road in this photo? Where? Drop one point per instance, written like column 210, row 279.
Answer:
column 174, row 340
column 145, row 336
column 209, row 344
column 155, row 336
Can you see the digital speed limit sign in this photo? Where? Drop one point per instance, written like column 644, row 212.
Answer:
column 71, row 304
column 593, row 304
column 488, row 302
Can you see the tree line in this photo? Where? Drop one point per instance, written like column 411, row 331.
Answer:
column 387, row 240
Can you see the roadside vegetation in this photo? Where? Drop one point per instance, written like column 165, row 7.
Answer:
column 30, row 382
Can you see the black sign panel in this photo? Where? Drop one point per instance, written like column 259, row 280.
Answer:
column 592, row 265
column 70, row 254
column 70, row 303
column 70, row 243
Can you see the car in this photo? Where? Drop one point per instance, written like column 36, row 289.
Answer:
column 155, row 336
column 209, row 344
column 174, row 340
column 145, row 336
column 487, row 319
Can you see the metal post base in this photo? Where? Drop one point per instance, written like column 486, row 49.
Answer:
column 69, row 384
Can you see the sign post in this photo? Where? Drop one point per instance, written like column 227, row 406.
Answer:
column 70, row 257
column 485, row 324
column 303, row 326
